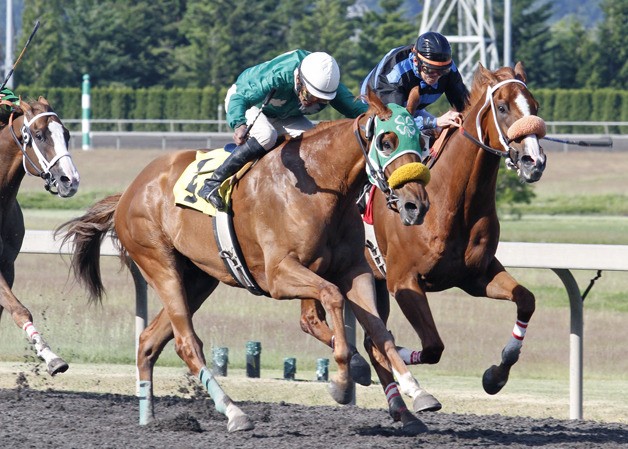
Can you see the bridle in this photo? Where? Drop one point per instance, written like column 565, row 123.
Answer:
column 43, row 169
column 508, row 151
column 378, row 174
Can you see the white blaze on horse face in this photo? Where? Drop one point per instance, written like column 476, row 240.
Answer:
column 531, row 142
column 61, row 149
column 522, row 104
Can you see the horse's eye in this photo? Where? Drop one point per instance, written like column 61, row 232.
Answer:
column 501, row 108
column 387, row 147
column 39, row 136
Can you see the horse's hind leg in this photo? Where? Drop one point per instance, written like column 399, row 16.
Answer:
column 169, row 286
column 158, row 334
column 313, row 322
column 24, row 320
column 502, row 285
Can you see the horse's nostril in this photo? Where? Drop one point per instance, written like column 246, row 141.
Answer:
column 527, row 159
column 410, row 206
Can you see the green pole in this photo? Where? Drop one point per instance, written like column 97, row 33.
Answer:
column 86, row 103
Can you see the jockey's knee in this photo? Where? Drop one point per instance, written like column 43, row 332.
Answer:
column 269, row 139
column 266, row 135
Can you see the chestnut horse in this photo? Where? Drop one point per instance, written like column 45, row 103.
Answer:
column 299, row 230
column 456, row 245
column 34, row 141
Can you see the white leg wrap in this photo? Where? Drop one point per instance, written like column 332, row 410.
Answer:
column 43, row 350
column 409, row 356
column 511, row 351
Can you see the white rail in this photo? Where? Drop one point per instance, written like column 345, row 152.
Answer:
column 558, row 257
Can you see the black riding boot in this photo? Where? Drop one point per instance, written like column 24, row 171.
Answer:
column 249, row 150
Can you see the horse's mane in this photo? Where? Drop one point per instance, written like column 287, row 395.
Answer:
column 482, row 78
column 376, row 107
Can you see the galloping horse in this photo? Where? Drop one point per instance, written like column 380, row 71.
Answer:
column 456, row 245
column 297, row 225
column 34, row 141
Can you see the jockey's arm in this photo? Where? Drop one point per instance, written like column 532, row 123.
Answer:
column 347, row 104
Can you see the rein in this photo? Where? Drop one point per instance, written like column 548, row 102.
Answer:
column 27, row 139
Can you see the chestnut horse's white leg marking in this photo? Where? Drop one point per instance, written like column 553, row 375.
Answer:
column 422, row 400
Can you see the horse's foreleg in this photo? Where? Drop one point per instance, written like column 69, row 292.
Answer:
column 502, row 285
column 289, row 279
column 313, row 322
column 362, row 294
column 415, row 307
column 24, row 320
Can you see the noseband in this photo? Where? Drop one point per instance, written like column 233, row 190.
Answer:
column 43, row 170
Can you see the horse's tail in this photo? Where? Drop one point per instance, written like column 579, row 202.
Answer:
column 86, row 233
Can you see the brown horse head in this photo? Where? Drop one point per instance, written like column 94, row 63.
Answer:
column 394, row 156
column 508, row 114
column 44, row 140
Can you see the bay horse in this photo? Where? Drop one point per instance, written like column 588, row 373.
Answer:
column 33, row 141
column 456, row 245
column 299, row 230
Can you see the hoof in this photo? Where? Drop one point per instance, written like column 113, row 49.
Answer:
column 413, row 427
column 360, row 370
column 425, row 402
column 342, row 394
column 240, row 422
column 57, row 366
column 494, row 379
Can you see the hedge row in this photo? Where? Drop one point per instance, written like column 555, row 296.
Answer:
column 195, row 104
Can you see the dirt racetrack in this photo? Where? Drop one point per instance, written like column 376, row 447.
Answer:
column 44, row 419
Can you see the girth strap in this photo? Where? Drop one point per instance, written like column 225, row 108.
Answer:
column 231, row 253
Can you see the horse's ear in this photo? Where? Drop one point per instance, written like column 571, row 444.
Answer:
column 520, row 72
column 484, row 76
column 377, row 106
column 413, row 100
column 23, row 107
column 44, row 101
column 372, row 98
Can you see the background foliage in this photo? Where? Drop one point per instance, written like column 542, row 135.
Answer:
column 195, row 43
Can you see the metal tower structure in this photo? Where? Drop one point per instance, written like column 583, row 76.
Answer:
column 476, row 38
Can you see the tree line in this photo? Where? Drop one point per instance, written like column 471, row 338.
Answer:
column 199, row 44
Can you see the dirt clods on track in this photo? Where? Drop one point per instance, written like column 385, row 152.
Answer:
column 46, row 419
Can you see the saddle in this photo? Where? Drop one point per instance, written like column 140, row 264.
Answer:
column 186, row 195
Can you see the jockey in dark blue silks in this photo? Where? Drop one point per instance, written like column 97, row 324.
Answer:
column 427, row 64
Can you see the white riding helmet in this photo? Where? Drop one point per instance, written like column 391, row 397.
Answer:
column 320, row 74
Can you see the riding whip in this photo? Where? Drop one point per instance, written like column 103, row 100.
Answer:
column 231, row 146
column 8, row 77
column 582, row 143
column 264, row 103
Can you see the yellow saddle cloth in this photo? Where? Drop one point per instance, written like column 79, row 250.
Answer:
column 193, row 178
